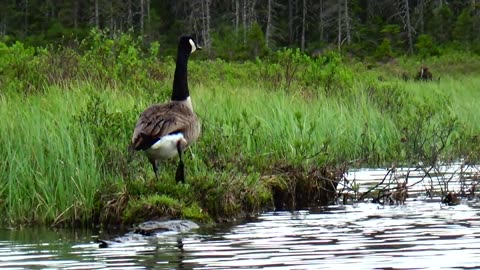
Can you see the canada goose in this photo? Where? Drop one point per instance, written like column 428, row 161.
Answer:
column 165, row 130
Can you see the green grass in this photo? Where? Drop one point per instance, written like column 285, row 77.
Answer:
column 65, row 159
column 264, row 127
column 49, row 170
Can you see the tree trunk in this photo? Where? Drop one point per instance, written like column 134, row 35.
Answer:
column 421, row 6
column 204, row 20
column 321, row 22
column 237, row 15
column 290, row 21
column 207, row 37
column 268, row 31
column 252, row 17
column 205, row 6
column 347, row 23
column 97, row 15
column 476, row 20
column 75, row 15
column 25, row 26
column 409, row 26
column 112, row 23
column 149, row 21
column 370, row 9
column 244, row 21
column 304, row 15
column 142, row 17
column 130, row 14
column 339, row 22
column 3, row 25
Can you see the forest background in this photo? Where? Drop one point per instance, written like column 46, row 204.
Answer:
column 245, row 29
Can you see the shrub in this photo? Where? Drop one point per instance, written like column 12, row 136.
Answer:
column 384, row 51
column 425, row 46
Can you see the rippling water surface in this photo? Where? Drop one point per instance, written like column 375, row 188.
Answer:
column 364, row 236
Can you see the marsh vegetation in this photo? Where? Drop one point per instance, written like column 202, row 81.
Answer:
column 278, row 132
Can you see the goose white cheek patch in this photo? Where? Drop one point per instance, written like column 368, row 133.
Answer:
column 194, row 48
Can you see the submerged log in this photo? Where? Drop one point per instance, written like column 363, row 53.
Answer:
column 154, row 227
column 151, row 228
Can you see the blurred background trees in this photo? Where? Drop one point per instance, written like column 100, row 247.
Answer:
column 245, row 29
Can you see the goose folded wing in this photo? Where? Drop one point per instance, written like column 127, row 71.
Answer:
column 156, row 122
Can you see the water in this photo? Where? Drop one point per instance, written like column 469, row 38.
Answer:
column 456, row 177
column 419, row 234
column 365, row 236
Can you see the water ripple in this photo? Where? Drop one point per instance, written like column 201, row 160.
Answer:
column 418, row 235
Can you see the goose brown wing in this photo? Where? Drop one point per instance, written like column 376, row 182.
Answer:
column 160, row 120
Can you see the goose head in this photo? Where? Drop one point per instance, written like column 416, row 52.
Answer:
column 188, row 44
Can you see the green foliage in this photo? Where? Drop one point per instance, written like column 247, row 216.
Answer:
column 389, row 98
column 108, row 59
column 104, row 59
column 230, row 45
column 152, row 208
column 390, row 30
column 464, row 28
column 49, row 170
column 441, row 24
column 232, row 194
column 237, row 30
column 110, row 128
column 427, row 133
column 384, row 51
column 425, row 46
column 195, row 212
column 255, row 42
column 18, row 66
column 291, row 69
column 289, row 63
column 226, row 44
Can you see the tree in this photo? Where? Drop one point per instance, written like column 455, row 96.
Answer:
column 404, row 13
column 304, row 24
column 339, row 25
column 347, row 22
column 286, row 23
column 463, row 29
column 441, row 23
column 269, row 28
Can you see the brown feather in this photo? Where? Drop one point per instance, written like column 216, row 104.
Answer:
column 163, row 119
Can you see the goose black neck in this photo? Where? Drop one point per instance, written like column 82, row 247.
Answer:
column 180, row 82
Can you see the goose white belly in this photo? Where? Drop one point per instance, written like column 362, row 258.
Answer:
column 166, row 147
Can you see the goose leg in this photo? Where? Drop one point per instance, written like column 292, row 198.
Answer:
column 155, row 167
column 180, row 174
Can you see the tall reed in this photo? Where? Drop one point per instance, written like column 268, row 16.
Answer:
column 261, row 127
column 49, row 169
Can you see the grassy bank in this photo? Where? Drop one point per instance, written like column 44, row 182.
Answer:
column 271, row 137
column 49, row 169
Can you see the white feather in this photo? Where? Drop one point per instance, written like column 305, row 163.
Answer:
column 188, row 102
column 194, row 47
column 166, row 147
